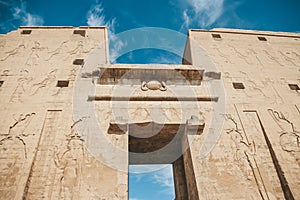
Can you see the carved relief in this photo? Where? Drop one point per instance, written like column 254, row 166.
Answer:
column 81, row 175
column 153, row 85
column 240, row 55
column 70, row 162
column 140, row 113
column 252, row 155
column 8, row 172
column 50, row 78
column 16, row 130
column 43, row 169
column 73, row 74
column 58, row 51
column 22, row 87
column 34, row 56
column 223, row 55
column 2, row 43
column 13, row 154
column 25, row 87
column 289, row 136
column 262, row 88
column 53, row 164
column 251, row 51
column 14, row 51
column 80, row 49
column 272, row 58
column 295, row 55
column 5, row 72
column 244, row 150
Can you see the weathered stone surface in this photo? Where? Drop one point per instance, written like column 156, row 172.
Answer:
column 256, row 156
column 42, row 155
column 250, row 150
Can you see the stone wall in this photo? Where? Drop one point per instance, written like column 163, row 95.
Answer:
column 256, row 155
column 42, row 154
column 67, row 113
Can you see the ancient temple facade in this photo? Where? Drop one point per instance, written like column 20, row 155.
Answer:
column 227, row 118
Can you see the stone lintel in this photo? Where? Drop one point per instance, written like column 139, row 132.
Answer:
column 149, row 129
column 150, row 98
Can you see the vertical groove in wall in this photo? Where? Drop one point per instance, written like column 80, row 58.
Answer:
column 36, row 183
column 297, row 108
column 283, row 182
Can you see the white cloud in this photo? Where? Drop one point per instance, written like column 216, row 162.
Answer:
column 164, row 178
column 159, row 174
column 27, row 19
column 32, row 20
column 115, row 44
column 202, row 12
column 166, row 58
column 96, row 17
column 186, row 18
column 17, row 12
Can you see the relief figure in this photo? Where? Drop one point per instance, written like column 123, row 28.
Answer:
column 70, row 161
column 22, row 86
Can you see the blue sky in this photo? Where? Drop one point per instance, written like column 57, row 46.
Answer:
column 177, row 15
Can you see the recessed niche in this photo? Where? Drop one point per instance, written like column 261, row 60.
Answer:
column 26, row 32
column 238, row 86
column 62, row 83
column 294, row 87
column 216, row 36
column 79, row 32
column 262, row 38
column 1, row 83
column 78, row 62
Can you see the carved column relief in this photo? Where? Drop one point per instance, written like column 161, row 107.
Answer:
column 261, row 161
column 286, row 134
column 63, row 169
column 40, row 183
